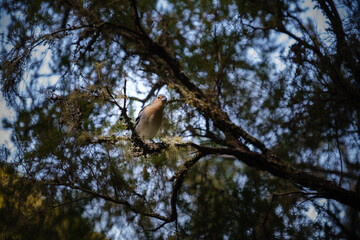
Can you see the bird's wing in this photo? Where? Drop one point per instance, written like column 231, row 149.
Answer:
column 137, row 120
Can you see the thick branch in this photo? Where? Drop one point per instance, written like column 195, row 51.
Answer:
column 343, row 48
column 324, row 171
column 268, row 163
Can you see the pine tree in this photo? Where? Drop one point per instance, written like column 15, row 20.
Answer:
column 262, row 126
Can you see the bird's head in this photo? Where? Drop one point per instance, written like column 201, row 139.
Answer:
column 161, row 98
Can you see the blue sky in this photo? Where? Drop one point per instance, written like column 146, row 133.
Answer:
column 5, row 112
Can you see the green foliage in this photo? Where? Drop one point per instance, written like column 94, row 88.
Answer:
column 70, row 69
column 26, row 215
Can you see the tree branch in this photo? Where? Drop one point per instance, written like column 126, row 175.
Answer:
column 266, row 161
column 108, row 198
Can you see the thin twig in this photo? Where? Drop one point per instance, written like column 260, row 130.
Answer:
column 124, row 93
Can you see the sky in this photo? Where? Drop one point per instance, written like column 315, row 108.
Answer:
column 5, row 112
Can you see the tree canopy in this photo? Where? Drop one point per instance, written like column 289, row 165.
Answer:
column 261, row 136
column 26, row 214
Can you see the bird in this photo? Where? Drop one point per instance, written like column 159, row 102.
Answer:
column 150, row 117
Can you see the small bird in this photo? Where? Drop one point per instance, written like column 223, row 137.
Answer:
column 150, row 117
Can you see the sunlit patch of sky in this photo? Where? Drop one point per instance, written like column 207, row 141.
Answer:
column 312, row 213
column 163, row 6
